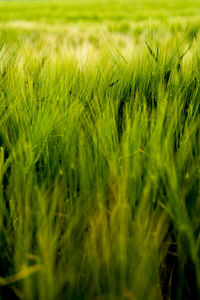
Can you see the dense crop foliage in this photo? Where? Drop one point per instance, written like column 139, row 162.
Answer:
column 100, row 151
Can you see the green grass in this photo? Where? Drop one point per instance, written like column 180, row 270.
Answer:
column 100, row 150
column 96, row 10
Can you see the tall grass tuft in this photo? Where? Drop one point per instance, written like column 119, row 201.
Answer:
column 99, row 166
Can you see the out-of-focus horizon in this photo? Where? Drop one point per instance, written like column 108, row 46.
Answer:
column 96, row 11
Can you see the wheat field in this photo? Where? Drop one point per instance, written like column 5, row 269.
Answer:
column 100, row 150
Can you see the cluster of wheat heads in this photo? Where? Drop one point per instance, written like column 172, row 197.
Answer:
column 99, row 165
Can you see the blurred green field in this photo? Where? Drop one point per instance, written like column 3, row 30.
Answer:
column 97, row 11
column 99, row 150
